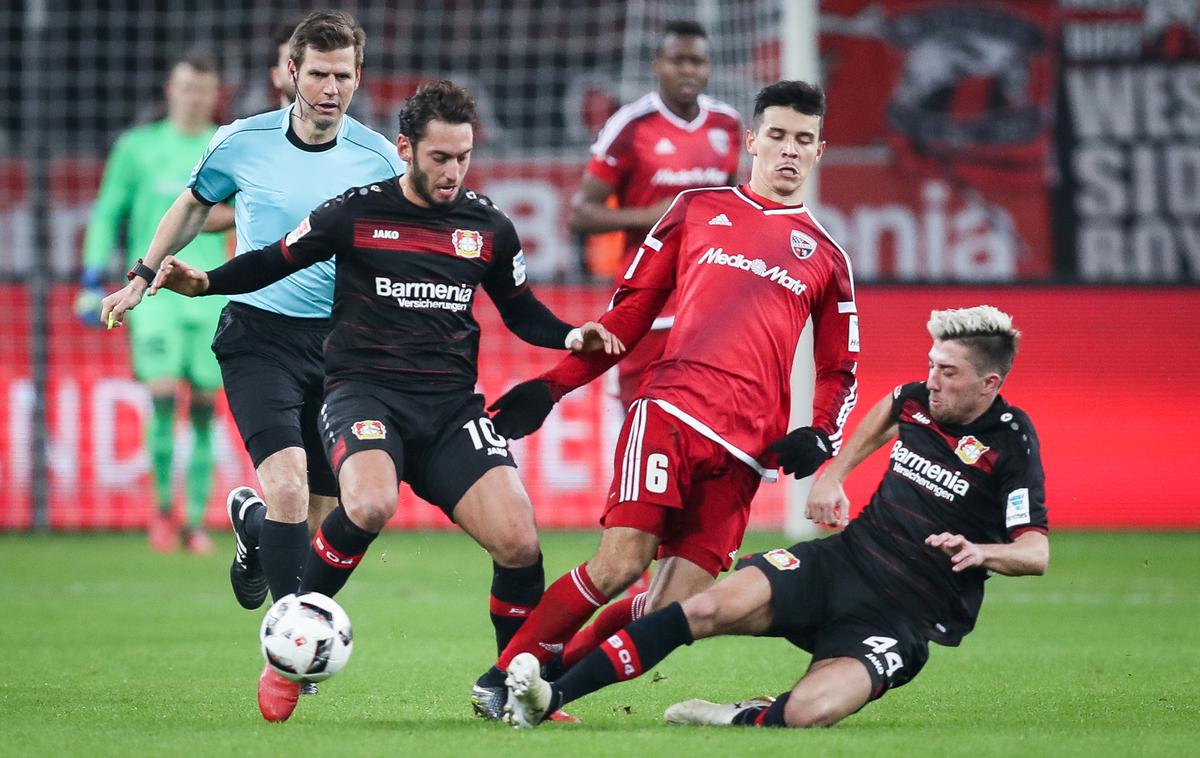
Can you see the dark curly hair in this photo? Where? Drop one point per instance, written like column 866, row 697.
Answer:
column 442, row 100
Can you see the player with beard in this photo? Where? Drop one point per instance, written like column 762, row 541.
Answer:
column 401, row 357
column 963, row 498
column 279, row 165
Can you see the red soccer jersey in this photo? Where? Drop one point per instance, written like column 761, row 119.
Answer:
column 648, row 154
column 748, row 274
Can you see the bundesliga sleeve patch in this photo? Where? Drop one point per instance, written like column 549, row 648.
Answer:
column 782, row 559
column 304, row 228
column 369, row 429
column 1017, row 512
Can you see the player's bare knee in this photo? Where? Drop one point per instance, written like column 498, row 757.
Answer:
column 286, row 498
column 703, row 613
column 370, row 509
column 517, row 549
column 613, row 574
column 811, row 713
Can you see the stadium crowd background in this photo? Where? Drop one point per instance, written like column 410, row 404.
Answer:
column 1041, row 157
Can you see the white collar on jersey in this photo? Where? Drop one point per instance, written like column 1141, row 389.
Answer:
column 687, row 126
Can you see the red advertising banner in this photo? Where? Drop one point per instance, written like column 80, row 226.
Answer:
column 1105, row 395
column 938, row 125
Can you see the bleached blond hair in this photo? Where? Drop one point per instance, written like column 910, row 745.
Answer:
column 987, row 331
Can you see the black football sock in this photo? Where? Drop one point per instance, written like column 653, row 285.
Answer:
column 337, row 548
column 766, row 715
column 253, row 521
column 627, row 654
column 282, row 549
column 515, row 591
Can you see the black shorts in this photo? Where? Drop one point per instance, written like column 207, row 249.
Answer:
column 822, row 604
column 274, row 377
column 441, row 443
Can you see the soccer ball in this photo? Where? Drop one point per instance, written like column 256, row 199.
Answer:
column 306, row 638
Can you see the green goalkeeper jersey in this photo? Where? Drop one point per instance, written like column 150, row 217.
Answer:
column 147, row 169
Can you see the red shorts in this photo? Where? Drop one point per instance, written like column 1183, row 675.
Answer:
column 671, row 481
column 633, row 366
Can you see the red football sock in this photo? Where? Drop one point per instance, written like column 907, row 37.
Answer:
column 615, row 617
column 566, row 605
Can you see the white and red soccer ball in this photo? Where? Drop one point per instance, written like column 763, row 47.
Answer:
column 306, row 638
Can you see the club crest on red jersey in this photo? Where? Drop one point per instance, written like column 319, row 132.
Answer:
column 369, row 429
column 970, row 450
column 468, row 243
column 719, row 139
column 803, row 246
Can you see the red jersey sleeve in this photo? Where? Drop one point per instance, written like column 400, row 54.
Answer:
column 613, row 155
column 835, row 352
column 643, row 292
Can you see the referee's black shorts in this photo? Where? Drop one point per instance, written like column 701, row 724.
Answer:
column 821, row 603
column 274, row 377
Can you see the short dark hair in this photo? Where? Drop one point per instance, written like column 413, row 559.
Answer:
column 199, row 61
column 801, row 97
column 442, row 100
column 326, row 31
column 679, row 28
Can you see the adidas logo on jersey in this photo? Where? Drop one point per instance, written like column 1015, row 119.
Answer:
column 664, row 147
column 720, row 220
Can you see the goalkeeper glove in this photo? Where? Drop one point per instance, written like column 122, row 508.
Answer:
column 802, row 451
column 521, row 410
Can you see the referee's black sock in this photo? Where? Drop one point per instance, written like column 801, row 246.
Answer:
column 282, row 548
column 627, row 654
column 336, row 549
column 766, row 715
column 515, row 592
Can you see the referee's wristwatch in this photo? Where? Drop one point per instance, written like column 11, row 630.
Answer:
column 142, row 270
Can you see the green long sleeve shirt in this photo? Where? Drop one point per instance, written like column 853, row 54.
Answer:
column 148, row 167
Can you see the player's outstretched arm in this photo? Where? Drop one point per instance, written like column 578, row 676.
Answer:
column 827, row 502
column 522, row 410
column 177, row 276
column 591, row 214
column 220, row 218
column 530, row 319
column 1027, row 555
column 179, row 226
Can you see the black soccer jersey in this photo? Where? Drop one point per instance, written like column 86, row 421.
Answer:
column 406, row 282
column 983, row 481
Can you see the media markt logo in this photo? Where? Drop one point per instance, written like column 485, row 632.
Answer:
column 756, row 266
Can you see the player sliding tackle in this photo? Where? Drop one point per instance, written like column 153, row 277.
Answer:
column 963, row 497
column 750, row 266
column 400, row 360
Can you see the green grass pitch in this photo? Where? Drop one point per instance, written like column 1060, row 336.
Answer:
column 110, row 650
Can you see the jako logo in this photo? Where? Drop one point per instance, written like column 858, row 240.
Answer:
column 386, row 234
column 756, row 266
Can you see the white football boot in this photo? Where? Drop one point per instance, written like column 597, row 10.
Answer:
column 528, row 694
column 704, row 713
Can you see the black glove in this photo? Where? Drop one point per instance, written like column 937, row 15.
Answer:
column 802, row 451
column 522, row 409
